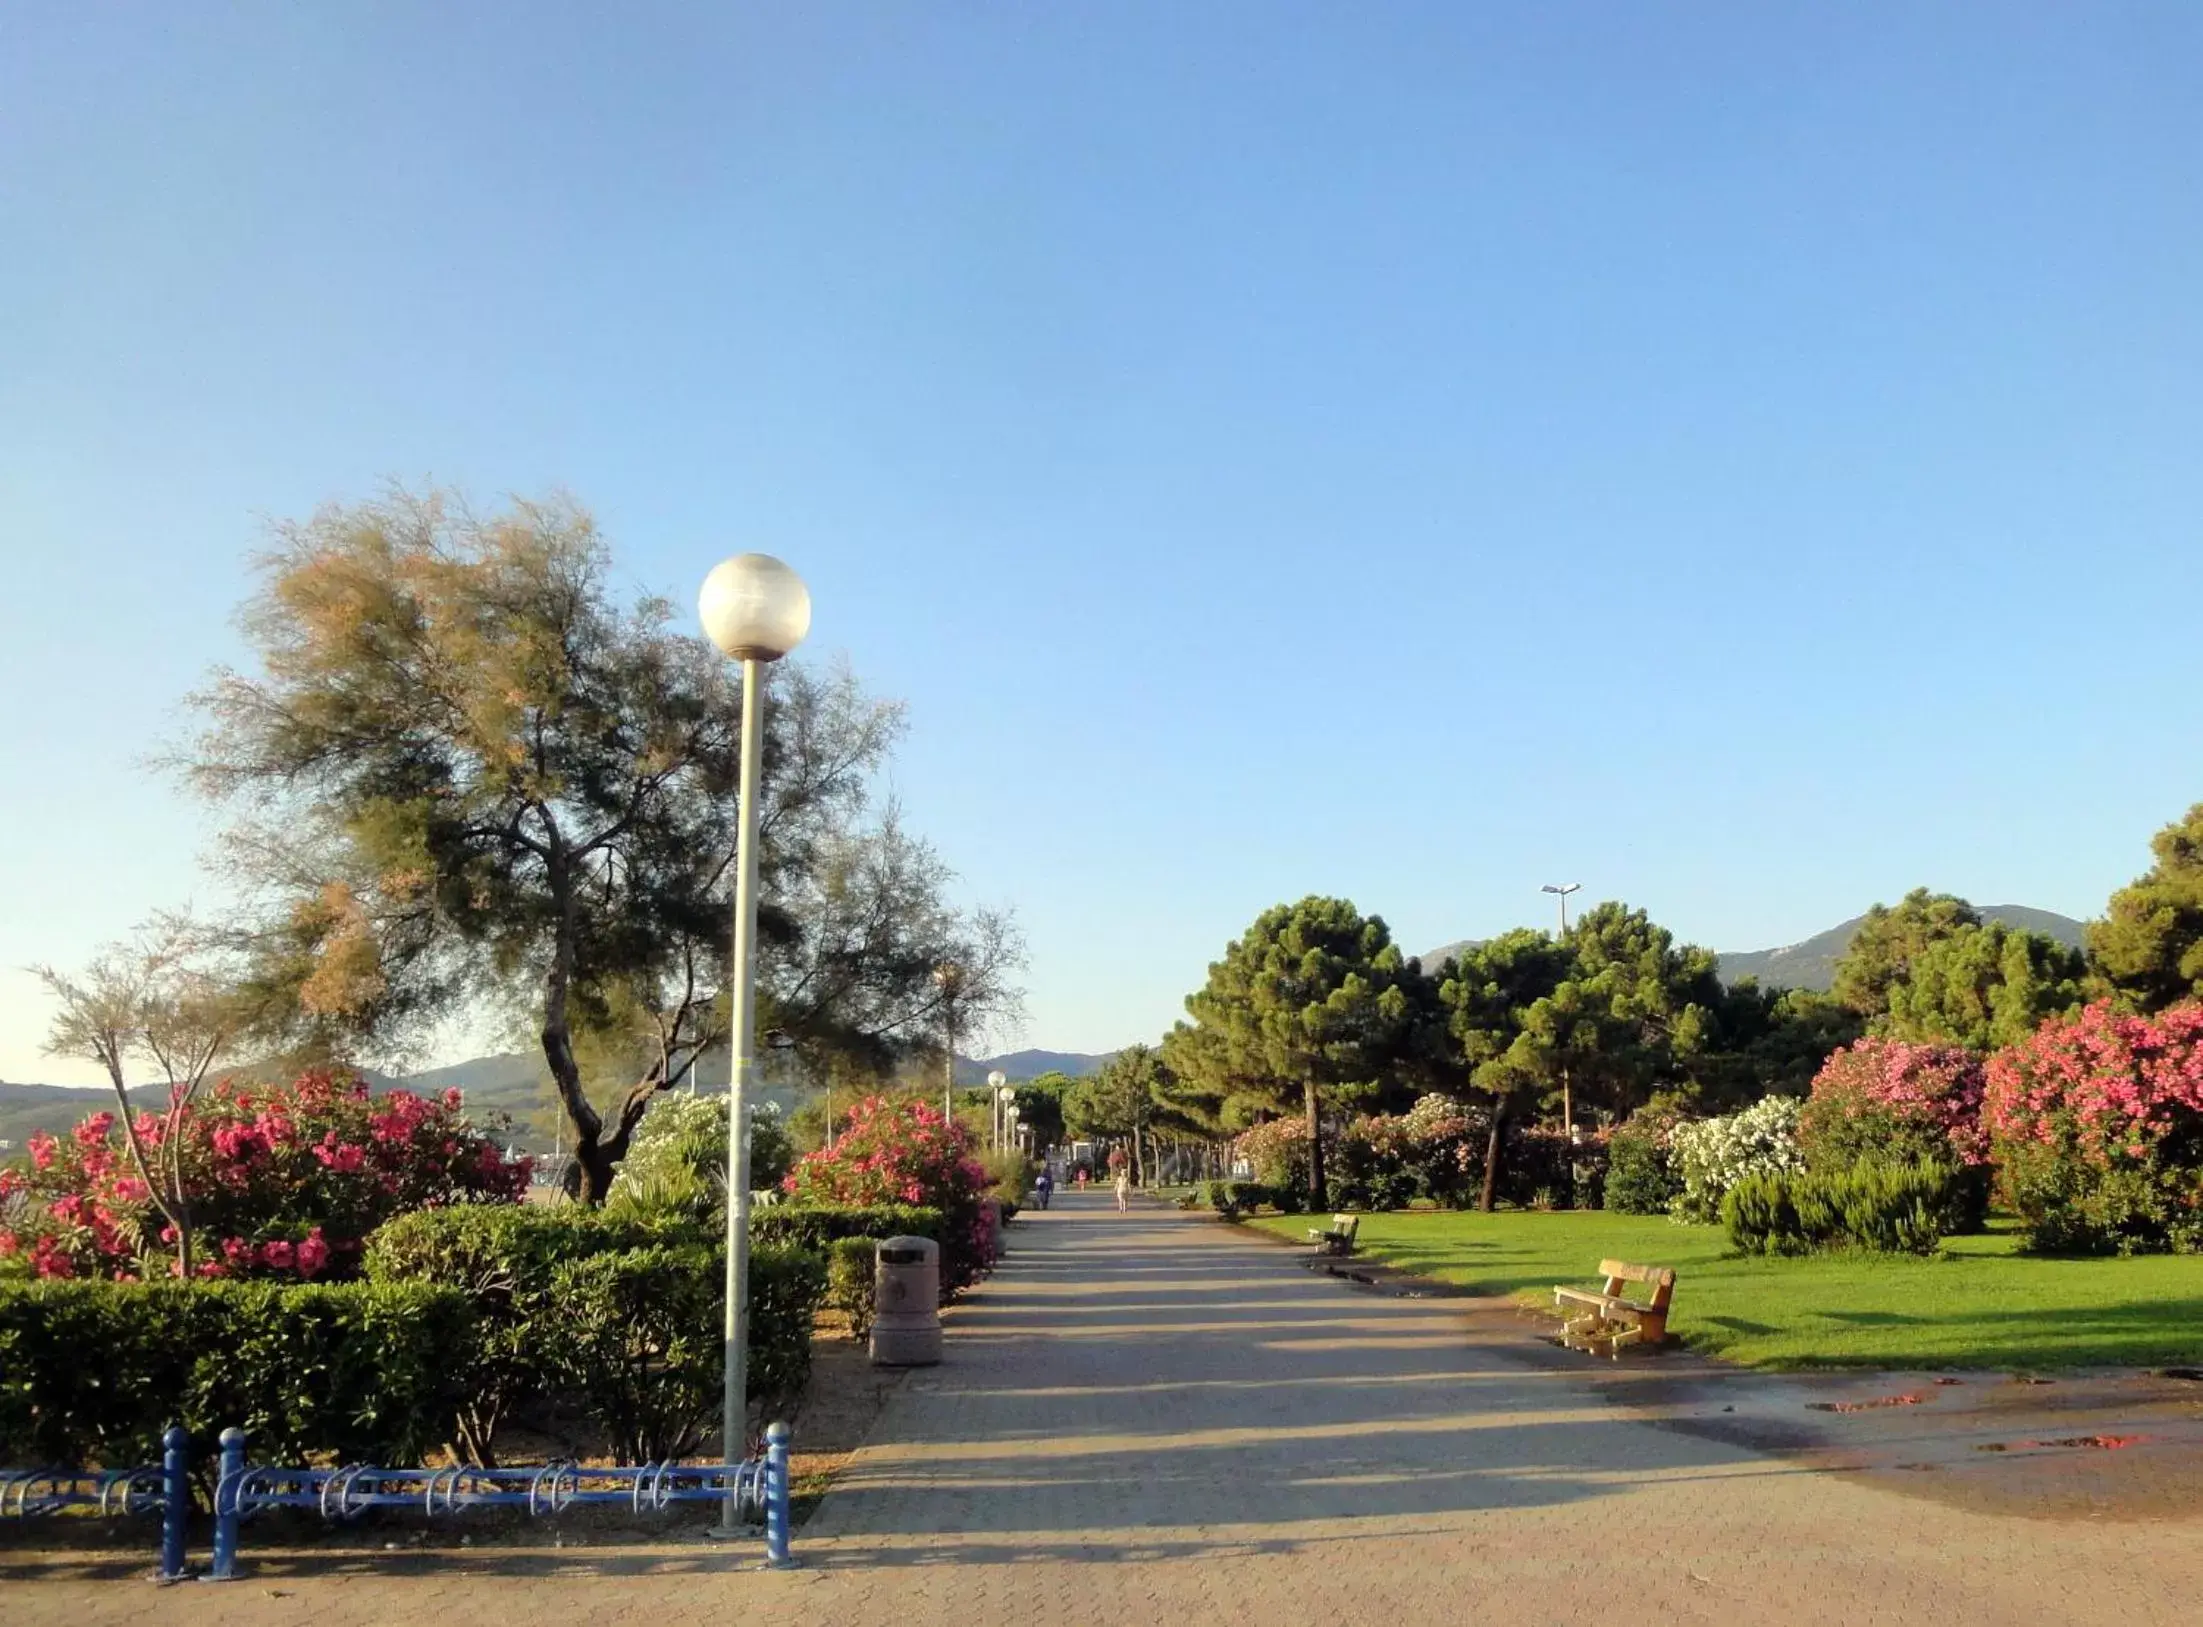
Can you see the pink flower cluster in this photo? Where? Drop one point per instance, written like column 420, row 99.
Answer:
column 892, row 1150
column 2104, row 1088
column 1934, row 1091
column 282, row 1181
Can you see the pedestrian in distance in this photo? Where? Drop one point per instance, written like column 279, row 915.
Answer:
column 1124, row 1191
column 1045, row 1184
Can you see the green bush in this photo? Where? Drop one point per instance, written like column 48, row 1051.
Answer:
column 1640, row 1180
column 92, row 1372
column 1887, row 1208
column 640, row 1340
column 849, row 1281
column 818, row 1226
column 677, row 1162
column 1231, row 1199
column 519, row 1267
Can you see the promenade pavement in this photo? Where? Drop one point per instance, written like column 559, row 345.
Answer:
column 1153, row 1417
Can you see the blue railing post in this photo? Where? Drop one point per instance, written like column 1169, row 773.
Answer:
column 776, row 1497
column 225, row 1504
column 175, row 1501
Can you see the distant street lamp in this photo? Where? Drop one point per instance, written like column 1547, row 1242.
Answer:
column 949, row 978
column 1567, row 1101
column 998, row 1086
column 756, row 610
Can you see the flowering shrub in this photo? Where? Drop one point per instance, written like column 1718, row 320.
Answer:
column 1886, row 1100
column 1277, row 1151
column 1712, row 1155
column 284, row 1180
column 2096, row 1122
column 900, row 1150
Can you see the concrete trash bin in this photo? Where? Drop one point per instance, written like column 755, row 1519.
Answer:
column 906, row 1302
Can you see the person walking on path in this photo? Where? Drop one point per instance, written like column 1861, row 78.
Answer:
column 1044, row 1185
column 1124, row 1191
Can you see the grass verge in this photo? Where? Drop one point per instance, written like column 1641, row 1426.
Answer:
column 1980, row 1303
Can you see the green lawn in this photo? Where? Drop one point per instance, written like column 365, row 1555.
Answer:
column 1980, row 1304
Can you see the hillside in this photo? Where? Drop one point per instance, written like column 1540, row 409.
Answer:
column 1811, row 964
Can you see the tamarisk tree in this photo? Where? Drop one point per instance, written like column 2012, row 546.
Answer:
column 467, row 776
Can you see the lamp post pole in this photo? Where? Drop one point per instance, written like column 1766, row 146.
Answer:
column 756, row 610
column 1567, row 1105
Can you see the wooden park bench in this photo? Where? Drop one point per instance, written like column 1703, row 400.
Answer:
column 1605, row 1321
column 1339, row 1238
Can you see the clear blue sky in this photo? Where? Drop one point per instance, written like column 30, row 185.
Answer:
column 1741, row 459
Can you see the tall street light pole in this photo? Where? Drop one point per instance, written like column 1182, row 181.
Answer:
column 1567, row 1102
column 756, row 610
column 998, row 1091
column 949, row 977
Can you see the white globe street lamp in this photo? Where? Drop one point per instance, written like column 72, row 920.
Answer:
column 998, row 1086
column 756, row 610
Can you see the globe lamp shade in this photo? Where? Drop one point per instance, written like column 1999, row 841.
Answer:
column 754, row 607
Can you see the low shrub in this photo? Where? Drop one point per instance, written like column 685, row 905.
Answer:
column 91, row 1373
column 850, row 1270
column 1886, row 1208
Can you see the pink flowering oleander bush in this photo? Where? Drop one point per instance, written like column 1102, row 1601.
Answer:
column 2096, row 1125
column 1277, row 1151
column 1888, row 1102
column 1895, row 1102
column 900, row 1150
column 284, row 1182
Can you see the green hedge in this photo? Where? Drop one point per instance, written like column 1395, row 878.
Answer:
column 850, row 1272
column 814, row 1226
column 92, row 1372
column 1888, row 1208
column 820, row 1226
column 641, row 1340
column 548, row 1281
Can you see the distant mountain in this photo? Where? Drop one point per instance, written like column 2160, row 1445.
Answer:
column 513, row 1082
column 1812, row 963
column 1022, row 1065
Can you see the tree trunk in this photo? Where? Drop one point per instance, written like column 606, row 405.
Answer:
column 592, row 1160
column 1491, row 1155
column 1316, row 1198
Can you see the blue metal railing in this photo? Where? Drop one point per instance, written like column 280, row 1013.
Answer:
column 755, row 1489
column 165, row 1489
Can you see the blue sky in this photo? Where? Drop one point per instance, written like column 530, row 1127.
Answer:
column 1743, row 460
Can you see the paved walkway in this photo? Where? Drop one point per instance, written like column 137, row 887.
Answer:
column 1154, row 1418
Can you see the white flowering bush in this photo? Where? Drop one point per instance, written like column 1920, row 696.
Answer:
column 1712, row 1155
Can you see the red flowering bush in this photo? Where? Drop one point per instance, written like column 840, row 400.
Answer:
column 1887, row 1101
column 284, row 1181
column 2097, row 1125
column 899, row 1150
